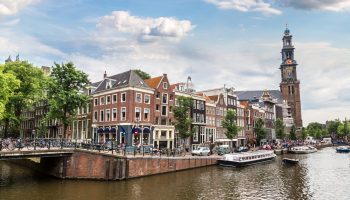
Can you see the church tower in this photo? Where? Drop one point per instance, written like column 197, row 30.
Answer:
column 290, row 85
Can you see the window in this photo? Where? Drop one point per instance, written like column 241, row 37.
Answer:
column 137, row 113
column 164, row 110
column 114, row 114
column 158, row 95
column 102, row 114
column 138, row 98
column 171, row 97
column 170, row 109
column 165, row 98
column 146, row 114
column 102, row 101
column 147, row 98
column 157, row 107
column 165, row 85
column 108, row 99
column 123, row 114
column 123, row 97
column 95, row 116
column 95, row 102
column 114, row 99
column 108, row 115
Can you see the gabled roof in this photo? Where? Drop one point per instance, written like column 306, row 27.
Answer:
column 251, row 95
column 125, row 79
column 214, row 98
column 95, row 84
column 154, row 82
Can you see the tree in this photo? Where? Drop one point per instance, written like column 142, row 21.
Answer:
column 65, row 93
column 280, row 129
column 333, row 127
column 344, row 128
column 316, row 130
column 229, row 123
column 292, row 135
column 8, row 84
column 260, row 130
column 142, row 74
column 304, row 133
column 31, row 89
column 42, row 128
column 183, row 120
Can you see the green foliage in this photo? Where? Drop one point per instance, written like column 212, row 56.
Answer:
column 316, row 130
column 260, row 130
column 42, row 128
column 343, row 128
column 304, row 133
column 8, row 84
column 65, row 93
column 280, row 129
column 333, row 126
column 229, row 123
column 292, row 135
column 30, row 89
column 142, row 74
column 183, row 120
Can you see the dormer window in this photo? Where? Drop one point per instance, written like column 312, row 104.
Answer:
column 109, row 84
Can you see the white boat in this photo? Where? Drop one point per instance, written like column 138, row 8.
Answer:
column 246, row 158
column 303, row 149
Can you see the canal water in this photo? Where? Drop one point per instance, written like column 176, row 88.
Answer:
column 321, row 175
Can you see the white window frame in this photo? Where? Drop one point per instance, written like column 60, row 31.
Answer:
column 121, row 97
column 140, row 115
column 95, row 119
column 108, row 111
column 149, row 114
column 95, row 102
column 116, row 98
column 165, row 85
column 149, row 98
column 102, row 102
column 102, row 115
column 137, row 93
column 116, row 115
column 121, row 114
column 167, row 98
column 109, row 99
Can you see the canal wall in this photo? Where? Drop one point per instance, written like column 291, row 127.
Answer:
column 83, row 164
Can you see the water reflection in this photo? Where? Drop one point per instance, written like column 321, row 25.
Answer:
column 322, row 175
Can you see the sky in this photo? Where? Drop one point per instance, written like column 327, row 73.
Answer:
column 216, row 42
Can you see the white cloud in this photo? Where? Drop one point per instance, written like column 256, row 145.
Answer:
column 12, row 7
column 330, row 5
column 121, row 22
column 246, row 6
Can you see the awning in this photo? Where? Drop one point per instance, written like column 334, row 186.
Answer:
column 136, row 130
column 146, row 130
column 100, row 130
column 113, row 130
column 106, row 130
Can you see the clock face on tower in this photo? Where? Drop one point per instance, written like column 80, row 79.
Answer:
column 289, row 61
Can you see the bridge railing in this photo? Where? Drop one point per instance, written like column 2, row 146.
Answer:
column 112, row 147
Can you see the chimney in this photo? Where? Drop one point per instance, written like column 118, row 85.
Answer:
column 105, row 75
column 165, row 75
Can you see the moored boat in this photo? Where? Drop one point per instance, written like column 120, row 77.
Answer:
column 343, row 149
column 246, row 158
column 303, row 149
column 290, row 161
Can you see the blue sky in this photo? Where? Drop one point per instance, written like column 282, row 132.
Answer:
column 217, row 42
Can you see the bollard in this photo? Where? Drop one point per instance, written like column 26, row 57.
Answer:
column 112, row 147
column 134, row 151
column 49, row 144
column 143, row 151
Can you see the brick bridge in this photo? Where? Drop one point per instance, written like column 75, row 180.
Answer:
column 85, row 164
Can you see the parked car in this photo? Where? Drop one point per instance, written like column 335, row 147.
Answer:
column 201, row 151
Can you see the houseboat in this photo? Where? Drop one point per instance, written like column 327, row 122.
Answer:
column 246, row 158
column 303, row 149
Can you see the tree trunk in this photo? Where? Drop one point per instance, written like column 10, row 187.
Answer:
column 7, row 124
